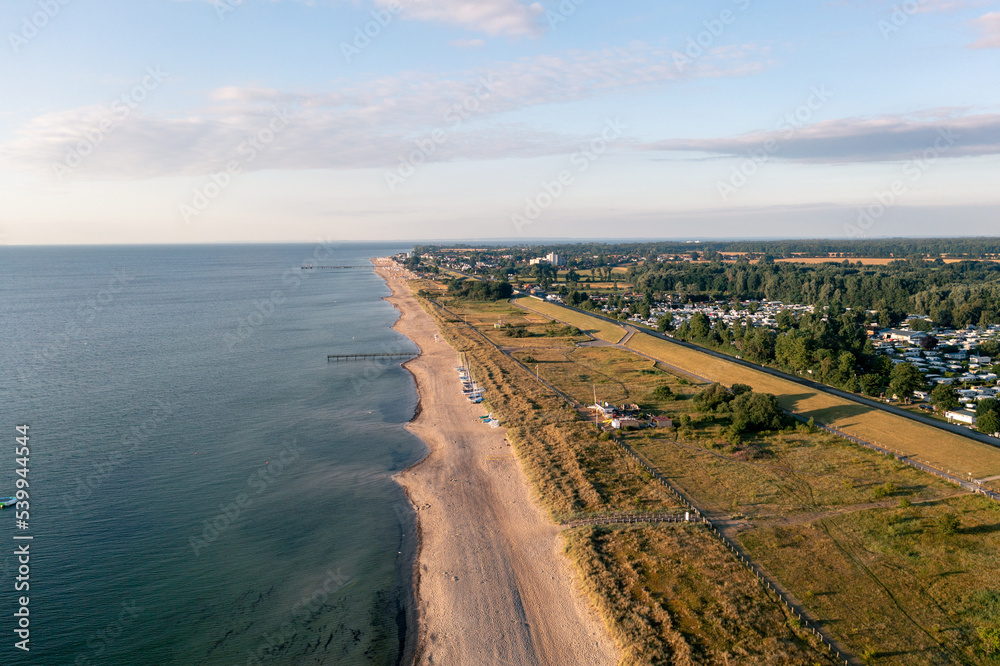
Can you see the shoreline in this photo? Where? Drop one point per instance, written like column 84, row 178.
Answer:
column 490, row 580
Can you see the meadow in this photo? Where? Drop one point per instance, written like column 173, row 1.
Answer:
column 897, row 564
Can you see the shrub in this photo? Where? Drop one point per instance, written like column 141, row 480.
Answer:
column 663, row 392
column 516, row 331
column 883, row 491
column 948, row 524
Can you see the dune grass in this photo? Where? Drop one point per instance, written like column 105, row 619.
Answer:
column 675, row 595
column 894, row 582
column 856, row 536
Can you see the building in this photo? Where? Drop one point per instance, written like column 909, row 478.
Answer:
column 551, row 258
column 625, row 422
column 965, row 416
column 661, row 422
column 913, row 337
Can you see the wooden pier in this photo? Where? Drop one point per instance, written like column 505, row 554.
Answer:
column 366, row 357
column 309, row 268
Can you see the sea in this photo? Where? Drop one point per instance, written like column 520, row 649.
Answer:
column 200, row 484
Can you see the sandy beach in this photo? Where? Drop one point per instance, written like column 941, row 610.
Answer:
column 493, row 584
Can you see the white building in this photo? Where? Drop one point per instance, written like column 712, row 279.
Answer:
column 961, row 416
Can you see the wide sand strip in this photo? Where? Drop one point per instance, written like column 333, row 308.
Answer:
column 493, row 586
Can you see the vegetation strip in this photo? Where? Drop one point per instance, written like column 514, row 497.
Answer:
column 975, row 455
column 765, row 579
column 770, row 584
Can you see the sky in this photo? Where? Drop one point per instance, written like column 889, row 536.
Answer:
column 208, row 121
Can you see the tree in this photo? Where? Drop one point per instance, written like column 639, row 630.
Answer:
column 945, row 398
column 665, row 323
column 870, row 384
column 713, row 396
column 700, row 326
column 759, row 345
column 757, row 411
column 786, row 320
column 904, row 380
column 989, row 423
column 928, row 342
column 986, row 406
column 989, row 348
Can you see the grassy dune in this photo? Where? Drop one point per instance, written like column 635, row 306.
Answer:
column 574, row 473
column 893, row 583
column 856, row 536
column 675, row 595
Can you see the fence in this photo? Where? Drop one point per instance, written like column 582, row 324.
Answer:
column 807, row 623
column 697, row 516
column 901, row 457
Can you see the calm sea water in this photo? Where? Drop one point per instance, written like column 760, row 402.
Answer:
column 204, row 487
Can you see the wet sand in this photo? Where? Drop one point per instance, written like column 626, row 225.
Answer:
column 492, row 583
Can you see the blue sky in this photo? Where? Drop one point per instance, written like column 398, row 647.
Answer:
column 191, row 121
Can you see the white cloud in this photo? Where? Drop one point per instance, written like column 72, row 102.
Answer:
column 514, row 18
column 885, row 138
column 989, row 26
column 362, row 124
column 493, row 17
column 468, row 43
